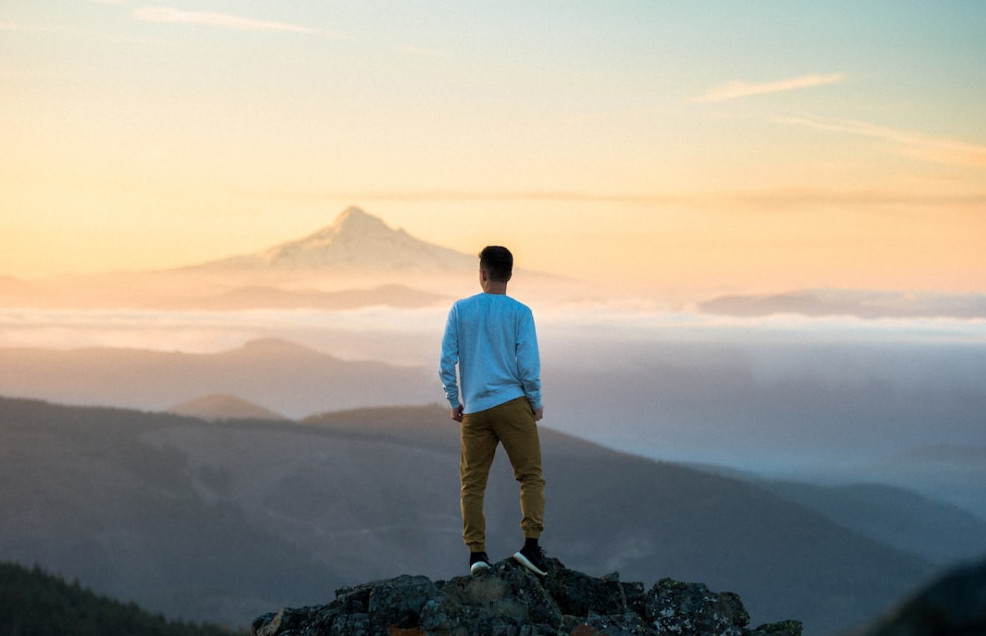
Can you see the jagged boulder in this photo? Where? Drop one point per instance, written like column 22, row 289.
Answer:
column 507, row 600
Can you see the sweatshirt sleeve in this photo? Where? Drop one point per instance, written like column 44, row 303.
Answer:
column 529, row 359
column 449, row 360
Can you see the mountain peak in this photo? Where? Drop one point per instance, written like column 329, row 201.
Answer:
column 356, row 240
column 351, row 222
column 355, row 215
column 351, row 228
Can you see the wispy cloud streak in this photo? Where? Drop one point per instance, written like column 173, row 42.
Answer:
column 919, row 145
column 226, row 21
column 739, row 89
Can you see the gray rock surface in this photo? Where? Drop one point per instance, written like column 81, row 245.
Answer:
column 507, row 600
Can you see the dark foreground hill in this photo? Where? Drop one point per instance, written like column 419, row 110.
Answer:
column 223, row 521
column 953, row 605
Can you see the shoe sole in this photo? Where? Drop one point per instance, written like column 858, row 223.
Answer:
column 478, row 566
column 523, row 560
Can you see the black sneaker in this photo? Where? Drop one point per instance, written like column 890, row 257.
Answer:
column 478, row 561
column 532, row 558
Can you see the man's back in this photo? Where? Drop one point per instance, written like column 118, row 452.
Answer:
column 493, row 339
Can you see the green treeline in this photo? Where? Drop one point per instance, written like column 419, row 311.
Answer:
column 35, row 603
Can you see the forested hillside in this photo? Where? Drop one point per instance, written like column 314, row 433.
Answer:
column 36, row 603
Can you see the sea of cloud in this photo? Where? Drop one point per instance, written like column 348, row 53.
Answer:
column 613, row 324
column 602, row 338
column 648, row 375
column 786, row 395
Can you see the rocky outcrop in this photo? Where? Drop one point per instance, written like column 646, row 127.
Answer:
column 507, row 600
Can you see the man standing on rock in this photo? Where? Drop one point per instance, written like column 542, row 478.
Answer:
column 492, row 340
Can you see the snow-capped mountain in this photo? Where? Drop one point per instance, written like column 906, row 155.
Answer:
column 357, row 261
column 355, row 241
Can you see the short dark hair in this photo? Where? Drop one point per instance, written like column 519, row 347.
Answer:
column 498, row 263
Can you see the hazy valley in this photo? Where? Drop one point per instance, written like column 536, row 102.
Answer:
column 222, row 521
column 819, row 452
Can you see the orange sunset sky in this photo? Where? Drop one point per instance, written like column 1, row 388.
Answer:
column 702, row 146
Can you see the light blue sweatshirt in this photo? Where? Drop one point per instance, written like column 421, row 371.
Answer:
column 491, row 338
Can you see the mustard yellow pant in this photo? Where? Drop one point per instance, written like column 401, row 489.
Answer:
column 513, row 425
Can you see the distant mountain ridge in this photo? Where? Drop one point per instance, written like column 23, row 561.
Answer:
column 897, row 517
column 222, row 406
column 287, row 378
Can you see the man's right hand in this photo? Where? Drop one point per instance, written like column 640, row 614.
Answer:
column 456, row 413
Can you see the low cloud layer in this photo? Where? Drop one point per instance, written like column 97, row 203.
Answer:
column 848, row 302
